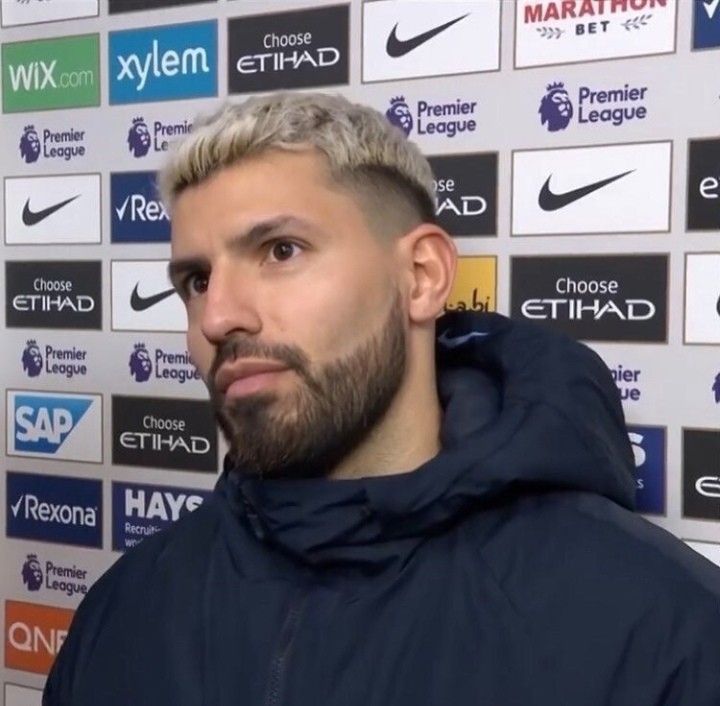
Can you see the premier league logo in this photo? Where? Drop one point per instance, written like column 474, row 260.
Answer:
column 32, row 360
column 716, row 388
column 30, row 145
column 399, row 114
column 140, row 363
column 138, row 138
column 556, row 108
column 32, row 575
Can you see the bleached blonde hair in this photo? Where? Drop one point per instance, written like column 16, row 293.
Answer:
column 365, row 153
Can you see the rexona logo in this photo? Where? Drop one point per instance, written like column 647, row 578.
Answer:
column 64, row 427
column 34, row 635
column 164, row 433
column 445, row 38
column 433, row 119
column 296, row 49
column 140, row 511
column 67, row 579
column 53, row 361
column 595, row 298
column 475, row 285
column 54, row 509
column 466, row 192
column 61, row 294
column 25, row 12
column 63, row 145
column 702, row 298
column 568, row 31
column 51, row 73
column 163, row 63
column 703, row 200
column 701, row 474
column 159, row 364
column 706, row 24
column 648, row 446
column 48, row 210
column 140, row 141
column 587, row 190
column 614, row 106
column 137, row 214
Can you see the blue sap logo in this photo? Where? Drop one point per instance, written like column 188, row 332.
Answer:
column 43, row 423
column 163, row 63
column 54, row 509
column 648, row 445
column 706, row 24
column 137, row 214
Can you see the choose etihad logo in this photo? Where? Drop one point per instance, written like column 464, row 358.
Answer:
column 701, row 474
column 170, row 366
column 565, row 31
column 140, row 141
column 64, row 145
column 70, row 580
column 703, row 187
column 433, row 118
column 595, row 298
column 53, row 361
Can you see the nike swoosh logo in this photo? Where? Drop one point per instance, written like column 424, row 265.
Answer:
column 30, row 217
column 718, row 306
column 139, row 303
column 549, row 201
column 456, row 341
column 711, row 7
column 399, row 47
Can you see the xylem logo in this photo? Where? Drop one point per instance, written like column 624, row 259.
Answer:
column 54, row 509
column 138, row 215
column 163, row 63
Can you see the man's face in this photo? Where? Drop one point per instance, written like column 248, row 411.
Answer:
column 295, row 320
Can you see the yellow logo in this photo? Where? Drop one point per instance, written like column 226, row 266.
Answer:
column 475, row 285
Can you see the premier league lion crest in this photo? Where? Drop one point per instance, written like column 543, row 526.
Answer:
column 32, row 575
column 556, row 108
column 138, row 138
column 140, row 363
column 30, row 144
column 716, row 388
column 32, row 360
column 399, row 114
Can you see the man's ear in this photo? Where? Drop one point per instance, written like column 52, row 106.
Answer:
column 428, row 259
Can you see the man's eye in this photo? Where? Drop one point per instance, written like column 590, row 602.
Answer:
column 282, row 250
column 196, row 284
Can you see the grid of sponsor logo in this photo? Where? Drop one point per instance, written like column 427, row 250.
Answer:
column 576, row 199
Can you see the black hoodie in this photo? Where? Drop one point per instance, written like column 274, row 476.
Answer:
column 509, row 570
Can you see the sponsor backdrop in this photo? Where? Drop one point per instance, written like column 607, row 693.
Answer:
column 580, row 180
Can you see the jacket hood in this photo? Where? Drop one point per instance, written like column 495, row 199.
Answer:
column 525, row 410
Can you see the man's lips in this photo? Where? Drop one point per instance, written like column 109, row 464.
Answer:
column 242, row 375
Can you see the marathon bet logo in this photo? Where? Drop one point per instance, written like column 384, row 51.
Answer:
column 53, row 361
column 466, row 192
column 171, row 366
column 45, row 74
column 55, row 509
column 648, row 446
column 445, row 38
column 568, row 31
column 596, row 297
column 702, row 298
column 706, row 24
column 67, row 579
column 703, row 188
column 447, row 119
column 163, row 63
column 139, row 510
column 136, row 214
column 295, row 49
column 164, row 433
column 701, row 474
column 64, row 145
column 140, row 141
column 475, row 285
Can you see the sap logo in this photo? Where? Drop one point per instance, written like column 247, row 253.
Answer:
column 138, row 138
column 140, row 363
column 32, row 360
column 159, row 505
column 32, row 574
column 43, row 423
column 30, row 507
column 556, row 108
column 141, row 209
column 708, row 486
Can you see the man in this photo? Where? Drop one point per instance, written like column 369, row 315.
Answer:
column 416, row 509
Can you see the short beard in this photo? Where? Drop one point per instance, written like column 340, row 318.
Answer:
column 329, row 416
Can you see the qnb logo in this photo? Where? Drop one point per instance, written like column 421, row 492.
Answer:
column 32, row 574
column 30, row 144
column 708, row 486
column 138, row 138
column 34, row 639
column 30, row 507
column 43, row 76
column 43, row 424
column 399, row 114
column 64, row 145
column 32, row 360
column 556, row 108
column 140, row 363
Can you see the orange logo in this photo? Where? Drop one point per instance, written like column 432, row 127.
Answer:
column 475, row 285
column 34, row 635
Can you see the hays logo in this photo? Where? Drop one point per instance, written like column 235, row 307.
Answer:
column 64, row 427
column 163, row 63
column 64, row 145
column 702, row 298
column 137, row 214
column 446, row 119
column 703, row 186
column 140, row 511
column 567, row 31
column 63, row 362
column 701, row 474
column 172, row 367
column 706, row 24
column 475, row 285
column 54, row 509
column 69, row 580
column 648, row 446
column 140, row 141
column 446, row 38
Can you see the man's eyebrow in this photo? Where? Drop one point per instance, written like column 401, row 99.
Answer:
column 177, row 268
